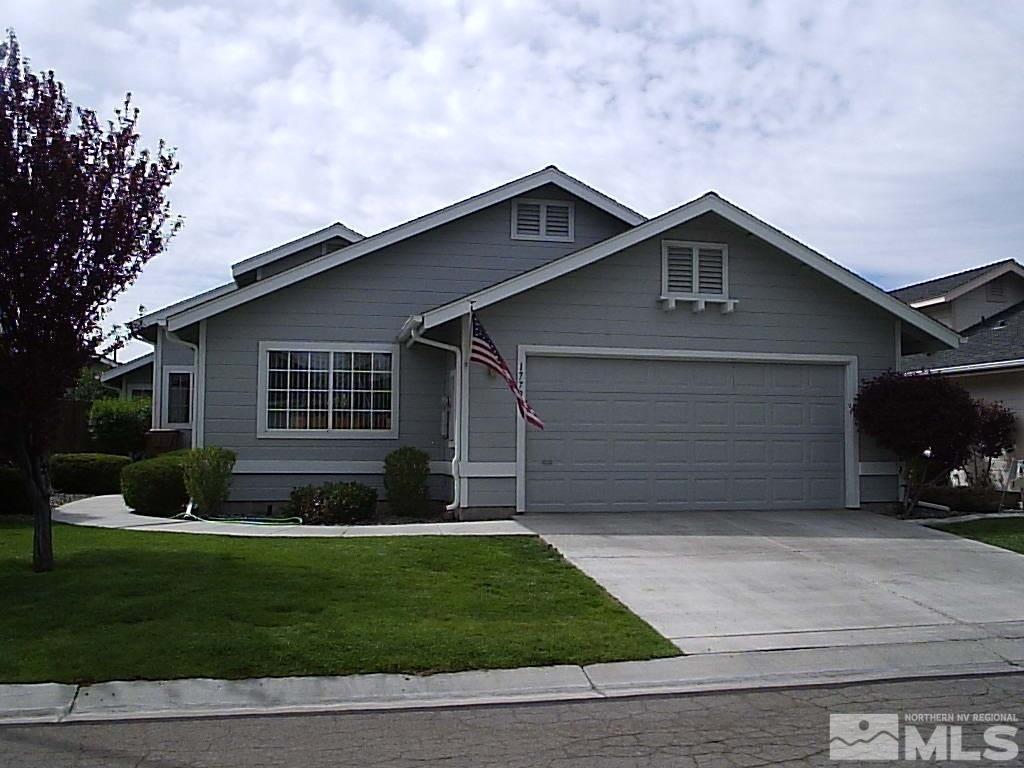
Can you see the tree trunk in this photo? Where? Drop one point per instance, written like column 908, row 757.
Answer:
column 37, row 485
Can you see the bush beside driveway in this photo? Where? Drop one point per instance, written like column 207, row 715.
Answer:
column 127, row 605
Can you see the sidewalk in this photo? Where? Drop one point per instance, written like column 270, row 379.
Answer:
column 111, row 512
column 1000, row 652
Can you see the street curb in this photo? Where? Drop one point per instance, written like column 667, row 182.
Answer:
column 700, row 673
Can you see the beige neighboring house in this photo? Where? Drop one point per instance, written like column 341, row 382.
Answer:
column 985, row 305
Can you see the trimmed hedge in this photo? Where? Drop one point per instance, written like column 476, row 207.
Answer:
column 156, row 487
column 120, row 426
column 93, row 473
column 405, row 477
column 13, row 497
column 334, row 504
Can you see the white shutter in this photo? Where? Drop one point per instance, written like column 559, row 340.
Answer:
column 527, row 220
column 710, row 271
column 557, row 221
column 678, row 269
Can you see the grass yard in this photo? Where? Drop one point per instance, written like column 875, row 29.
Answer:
column 136, row 605
column 1005, row 532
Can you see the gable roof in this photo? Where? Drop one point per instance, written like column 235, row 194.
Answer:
column 948, row 287
column 124, row 368
column 995, row 342
column 160, row 316
column 337, row 229
column 707, row 203
column 549, row 175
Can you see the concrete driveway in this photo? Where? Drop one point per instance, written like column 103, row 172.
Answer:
column 741, row 581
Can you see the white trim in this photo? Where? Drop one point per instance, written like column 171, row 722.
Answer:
column 265, row 433
column 695, row 295
column 166, row 401
column 543, row 204
column 851, row 381
column 997, row 365
column 337, row 229
column 158, row 363
column 465, row 340
column 512, row 189
column 708, row 203
column 130, row 389
column 199, row 384
column 298, row 467
column 161, row 315
column 877, row 468
column 976, row 282
column 126, row 368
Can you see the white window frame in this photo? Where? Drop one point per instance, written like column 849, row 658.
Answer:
column 544, row 203
column 165, row 405
column 131, row 389
column 264, row 432
column 696, row 295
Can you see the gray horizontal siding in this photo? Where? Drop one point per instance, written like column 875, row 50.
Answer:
column 368, row 300
column 783, row 307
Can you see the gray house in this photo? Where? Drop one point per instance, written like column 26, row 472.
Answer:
column 697, row 360
column 985, row 305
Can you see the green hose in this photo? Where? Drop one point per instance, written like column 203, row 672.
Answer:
column 188, row 514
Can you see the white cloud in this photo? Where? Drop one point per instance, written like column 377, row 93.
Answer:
column 887, row 135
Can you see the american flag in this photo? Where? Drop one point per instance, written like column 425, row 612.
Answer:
column 484, row 351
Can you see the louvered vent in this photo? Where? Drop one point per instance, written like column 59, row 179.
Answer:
column 557, row 222
column 710, row 272
column 679, row 269
column 527, row 219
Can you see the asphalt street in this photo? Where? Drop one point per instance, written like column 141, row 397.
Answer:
column 787, row 727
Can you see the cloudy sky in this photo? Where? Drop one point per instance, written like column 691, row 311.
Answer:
column 888, row 135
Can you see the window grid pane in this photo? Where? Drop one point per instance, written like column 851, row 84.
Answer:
column 322, row 391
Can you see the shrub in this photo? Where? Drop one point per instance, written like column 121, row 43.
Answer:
column 120, row 426
column 156, row 487
column 967, row 500
column 94, row 473
column 405, row 478
column 13, row 496
column 334, row 504
column 208, row 477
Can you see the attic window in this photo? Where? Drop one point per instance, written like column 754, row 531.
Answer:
column 552, row 220
column 695, row 272
column 995, row 291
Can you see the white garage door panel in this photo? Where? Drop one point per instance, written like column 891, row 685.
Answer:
column 656, row 434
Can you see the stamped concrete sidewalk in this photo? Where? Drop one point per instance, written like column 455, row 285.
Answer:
column 111, row 512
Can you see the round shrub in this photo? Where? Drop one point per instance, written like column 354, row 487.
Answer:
column 156, row 487
column 13, row 496
column 208, row 477
column 334, row 504
column 120, row 426
column 405, row 478
column 94, row 473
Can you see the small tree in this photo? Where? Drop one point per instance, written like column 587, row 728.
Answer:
column 82, row 209
column 928, row 422
column 996, row 434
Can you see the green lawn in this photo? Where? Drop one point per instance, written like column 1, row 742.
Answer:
column 1005, row 532
column 137, row 605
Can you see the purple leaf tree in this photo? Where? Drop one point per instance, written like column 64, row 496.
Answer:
column 82, row 209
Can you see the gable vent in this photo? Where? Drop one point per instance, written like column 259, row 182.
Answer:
column 543, row 220
column 679, row 269
column 711, row 271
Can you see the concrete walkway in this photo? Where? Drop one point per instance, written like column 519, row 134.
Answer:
column 1001, row 652
column 111, row 512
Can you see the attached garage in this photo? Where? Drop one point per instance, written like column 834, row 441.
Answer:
column 663, row 431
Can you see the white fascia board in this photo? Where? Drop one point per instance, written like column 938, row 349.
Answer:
column 1011, row 267
column 294, row 246
column 161, row 315
column 928, row 302
column 996, row 365
column 125, row 368
column 707, row 203
column 373, row 243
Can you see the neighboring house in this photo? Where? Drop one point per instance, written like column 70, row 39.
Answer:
column 985, row 306
column 697, row 360
column 131, row 379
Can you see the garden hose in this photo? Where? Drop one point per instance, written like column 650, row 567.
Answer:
column 188, row 514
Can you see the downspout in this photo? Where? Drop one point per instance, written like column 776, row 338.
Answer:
column 415, row 338
column 193, row 395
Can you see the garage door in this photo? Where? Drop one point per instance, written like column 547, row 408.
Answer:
column 634, row 435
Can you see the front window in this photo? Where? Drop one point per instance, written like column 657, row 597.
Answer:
column 179, row 397
column 334, row 390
